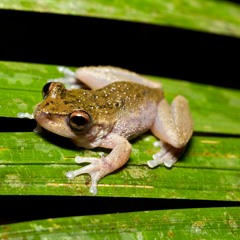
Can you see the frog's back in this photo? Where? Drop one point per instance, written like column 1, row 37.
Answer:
column 132, row 106
column 129, row 95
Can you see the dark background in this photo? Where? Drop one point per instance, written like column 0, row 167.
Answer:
column 143, row 48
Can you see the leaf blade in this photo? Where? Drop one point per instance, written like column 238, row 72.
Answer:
column 207, row 223
column 220, row 17
column 32, row 165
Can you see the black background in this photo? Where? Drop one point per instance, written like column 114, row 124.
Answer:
column 147, row 49
column 144, row 48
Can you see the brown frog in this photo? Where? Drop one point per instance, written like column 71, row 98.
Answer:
column 120, row 106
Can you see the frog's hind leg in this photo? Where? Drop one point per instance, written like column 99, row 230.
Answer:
column 101, row 76
column 69, row 79
column 173, row 126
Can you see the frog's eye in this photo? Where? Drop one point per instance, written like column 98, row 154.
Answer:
column 55, row 89
column 46, row 89
column 79, row 121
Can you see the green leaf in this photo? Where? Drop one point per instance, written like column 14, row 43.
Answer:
column 208, row 223
column 32, row 164
column 213, row 16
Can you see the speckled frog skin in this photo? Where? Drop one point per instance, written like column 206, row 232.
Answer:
column 121, row 106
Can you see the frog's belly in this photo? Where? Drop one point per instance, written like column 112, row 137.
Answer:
column 132, row 124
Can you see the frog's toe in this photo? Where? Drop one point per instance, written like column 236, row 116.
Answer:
column 167, row 159
column 157, row 144
column 70, row 175
column 95, row 178
column 90, row 169
column 96, row 169
column 79, row 159
column 168, row 156
column 93, row 189
column 66, row 71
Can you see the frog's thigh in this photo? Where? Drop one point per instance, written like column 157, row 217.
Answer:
column 173, row 124
column 101, row 76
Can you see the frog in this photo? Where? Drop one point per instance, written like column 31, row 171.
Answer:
column 116, row 106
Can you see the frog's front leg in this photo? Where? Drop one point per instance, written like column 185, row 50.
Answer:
column 174, row 126
column 100, row 167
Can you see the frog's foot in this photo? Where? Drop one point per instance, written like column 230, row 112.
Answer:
column 25, row 115
column 97, row 169
column 66, row 71
column 168, row 155
column 69, row 79
column 174, row 126
column 100, row 167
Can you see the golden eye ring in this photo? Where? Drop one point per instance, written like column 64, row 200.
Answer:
column 79, row 121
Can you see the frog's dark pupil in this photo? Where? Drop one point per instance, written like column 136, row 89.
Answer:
column 79, row 121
